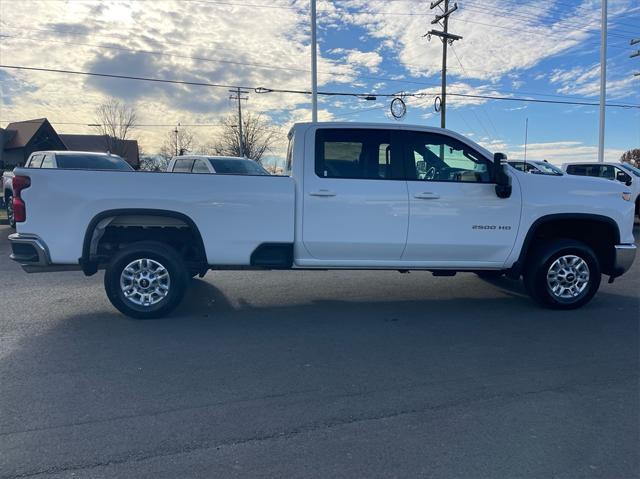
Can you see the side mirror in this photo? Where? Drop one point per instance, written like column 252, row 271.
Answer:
column 501, row 178
column 622, row 177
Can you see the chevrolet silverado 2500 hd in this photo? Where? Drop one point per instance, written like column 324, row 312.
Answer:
column 359, row 196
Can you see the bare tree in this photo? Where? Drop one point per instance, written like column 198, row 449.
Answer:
column 177, row 142
column 259, row 137
column 632, row 157
column 153, row 163
column 115, row 121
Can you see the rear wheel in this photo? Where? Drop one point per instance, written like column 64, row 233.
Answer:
column 146, row 280
column 562, row 274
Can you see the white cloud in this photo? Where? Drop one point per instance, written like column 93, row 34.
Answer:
column 585, row 81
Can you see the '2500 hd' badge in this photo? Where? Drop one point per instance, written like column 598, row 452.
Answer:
column 491, row 227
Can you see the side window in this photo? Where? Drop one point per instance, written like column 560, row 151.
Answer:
column 356, row 153
column 606, row 171
column 577, row 170
column 47, row 162
column 183, row 166
column 35, row 161
column 436, row 157
column 200, row 166
column 289, row 164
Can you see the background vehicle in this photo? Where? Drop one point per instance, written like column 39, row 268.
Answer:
column 621, row 172
column 7, row 192
column 537, row 167
column 70, row 160
column 222, row 165
column 360, row 196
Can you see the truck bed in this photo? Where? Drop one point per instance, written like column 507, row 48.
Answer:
column 234, row 214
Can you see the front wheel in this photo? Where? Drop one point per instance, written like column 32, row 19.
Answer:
column 562, row 274
column 146, row 280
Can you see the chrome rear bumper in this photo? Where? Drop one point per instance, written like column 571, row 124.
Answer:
column 32, row 254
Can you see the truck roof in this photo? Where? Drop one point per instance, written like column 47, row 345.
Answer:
column 391, row 126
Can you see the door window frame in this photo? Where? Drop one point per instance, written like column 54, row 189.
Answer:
column 409, row 158
column 395, row 153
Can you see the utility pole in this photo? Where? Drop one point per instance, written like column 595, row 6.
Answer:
column 238, row 92
column 526, row 139
column 446, row 38
column 603, row 79
column 176, row 133
column 314, row 65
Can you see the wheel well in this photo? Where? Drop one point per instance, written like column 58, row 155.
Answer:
column 108, row 233
column 600, row 233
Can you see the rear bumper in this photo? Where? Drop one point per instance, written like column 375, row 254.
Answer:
column 33, row 255
column 624, row 255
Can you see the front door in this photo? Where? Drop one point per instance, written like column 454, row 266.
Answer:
column 456, row 217
column 355, row 199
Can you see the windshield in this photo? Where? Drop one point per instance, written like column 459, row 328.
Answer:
column 92, row 162
column 239, row 166
column 631, row 169
column 537, row 167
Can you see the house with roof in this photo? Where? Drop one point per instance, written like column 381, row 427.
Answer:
column 19, row 139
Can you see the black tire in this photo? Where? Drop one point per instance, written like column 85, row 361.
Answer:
column 158, row 254
column 541, row 260
column 490, row 274
column 8, row 203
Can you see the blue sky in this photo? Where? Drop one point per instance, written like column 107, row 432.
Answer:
column 510, row 48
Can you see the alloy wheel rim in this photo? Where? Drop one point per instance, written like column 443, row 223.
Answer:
column 568, row 277
column 145, row 282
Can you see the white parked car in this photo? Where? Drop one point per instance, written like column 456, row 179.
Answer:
column 360, row 196
column 221, row 165
column 71, row 160
column 621, row 172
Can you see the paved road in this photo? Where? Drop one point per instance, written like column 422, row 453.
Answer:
column 327, row 374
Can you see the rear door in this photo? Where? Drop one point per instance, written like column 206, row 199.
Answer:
column 355, row 198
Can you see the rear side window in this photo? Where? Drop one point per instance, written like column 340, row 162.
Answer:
column 183, row 166
column 359, row 154
column 35, row 161
column 91, row 162
column 47, row 162
column 200, row 166
column 598, row 171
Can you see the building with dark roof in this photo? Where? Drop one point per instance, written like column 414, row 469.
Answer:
column 19, row 139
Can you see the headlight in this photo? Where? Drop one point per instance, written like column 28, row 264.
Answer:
column 626, row 196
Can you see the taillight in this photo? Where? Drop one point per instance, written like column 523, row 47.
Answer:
column 19, row 209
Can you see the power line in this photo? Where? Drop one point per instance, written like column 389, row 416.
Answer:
column 262, row 90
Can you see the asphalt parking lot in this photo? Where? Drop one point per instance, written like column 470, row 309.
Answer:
column 325, row 374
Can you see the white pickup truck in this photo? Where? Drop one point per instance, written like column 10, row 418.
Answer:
column 359, row 196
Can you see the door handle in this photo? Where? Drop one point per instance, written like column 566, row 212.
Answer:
column 322, row 193
column 427, row 196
